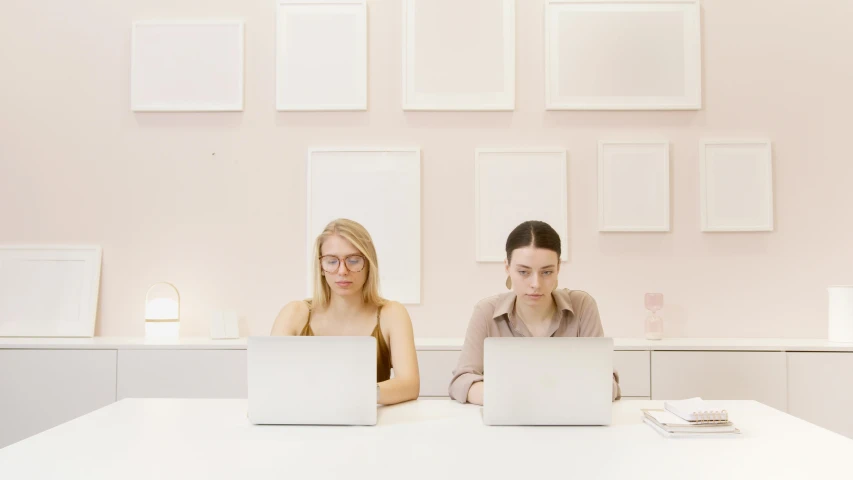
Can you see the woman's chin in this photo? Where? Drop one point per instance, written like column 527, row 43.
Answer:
column 533, row 300
column 345, row 292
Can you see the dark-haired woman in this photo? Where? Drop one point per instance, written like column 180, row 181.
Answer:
column 533, row 307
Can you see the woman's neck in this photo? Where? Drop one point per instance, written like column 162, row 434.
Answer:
column 345, row 306
column 533, row 316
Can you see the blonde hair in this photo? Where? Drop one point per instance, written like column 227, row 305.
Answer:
column 357, row 235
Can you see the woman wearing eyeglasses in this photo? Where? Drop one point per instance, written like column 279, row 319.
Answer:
column 346, row 302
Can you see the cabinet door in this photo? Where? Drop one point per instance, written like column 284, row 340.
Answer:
column 759, row 376
column 182, row 374
column 820, row 389
column 634, row 372
column 40, row 389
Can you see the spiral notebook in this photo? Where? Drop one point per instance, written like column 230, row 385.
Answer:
column 697, row 411
column 673, row 423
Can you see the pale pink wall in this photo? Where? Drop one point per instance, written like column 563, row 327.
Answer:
column 215, row 203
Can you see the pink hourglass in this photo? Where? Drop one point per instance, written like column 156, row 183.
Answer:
column 654, row 323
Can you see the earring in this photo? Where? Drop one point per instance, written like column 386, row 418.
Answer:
column 508, row 283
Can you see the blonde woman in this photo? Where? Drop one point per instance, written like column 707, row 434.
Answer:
column 346, row 302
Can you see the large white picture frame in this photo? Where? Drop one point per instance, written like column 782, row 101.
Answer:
column 186, row 66
column 736, row 185
column 458, row 55
column 513, row 185
column 321, row 55
column 379, row 188
column 633, row 186
column 623, row 55
column 49, row 290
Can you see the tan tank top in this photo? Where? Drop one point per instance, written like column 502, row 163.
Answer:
column 383, row 353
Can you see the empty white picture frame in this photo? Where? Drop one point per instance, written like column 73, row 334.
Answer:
column 633, row 187
column 49, row 291
column 321, row 55
column 380, row 189
column 736, row 185
column 458, row 55
column 623, row 55
column 512, row 186
column 186, row 66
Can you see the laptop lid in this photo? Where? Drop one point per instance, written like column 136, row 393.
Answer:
column 312, row 380
column 548, row 381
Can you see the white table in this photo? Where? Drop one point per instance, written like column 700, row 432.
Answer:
column 429, row 439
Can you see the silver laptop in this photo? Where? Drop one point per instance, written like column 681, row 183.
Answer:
column 548, row 381
column 312, row 380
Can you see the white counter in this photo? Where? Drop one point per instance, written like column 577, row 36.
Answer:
column 439, row 344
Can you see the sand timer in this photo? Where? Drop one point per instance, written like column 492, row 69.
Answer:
column 654, row 323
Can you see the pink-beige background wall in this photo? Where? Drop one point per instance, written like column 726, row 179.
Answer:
column 215, row 202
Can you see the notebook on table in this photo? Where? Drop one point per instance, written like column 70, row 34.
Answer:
column 672, row 423
column 697, row 410
column 693, row 417
column 694, row 432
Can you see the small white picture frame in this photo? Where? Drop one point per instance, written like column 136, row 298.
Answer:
column 736, row 185
column 49, row 290
column 623, row 55
column 459, row 56
column 633, row 186
column 380, row 188
column 187, row 66
column 321, row 55
column 514, row 185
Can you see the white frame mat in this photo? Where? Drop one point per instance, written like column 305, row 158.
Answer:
column 513, row 185
column 379, row 188
column 442, row 75
column 326, row 70
column 583, row 73
column 741, row 166
column 633, row 186
column 49, row 291
column 202, row 73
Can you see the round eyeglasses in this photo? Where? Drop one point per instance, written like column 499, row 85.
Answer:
column 331, row 263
